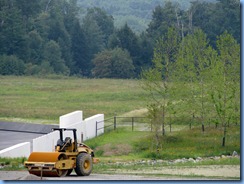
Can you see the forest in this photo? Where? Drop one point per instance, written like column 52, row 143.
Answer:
column 136, row 13
column 63, row 37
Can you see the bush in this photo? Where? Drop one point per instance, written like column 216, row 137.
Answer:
column 11, row 65
column 115, row 63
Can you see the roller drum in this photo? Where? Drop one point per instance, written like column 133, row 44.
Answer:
column 44, row 164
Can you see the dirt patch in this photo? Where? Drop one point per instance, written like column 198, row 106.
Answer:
column 138, row 112
column 114, row 150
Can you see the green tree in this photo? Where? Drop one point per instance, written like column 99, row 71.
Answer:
column 35, row 47
column 95, row 37
column 226, row 94
column 57, row 32
column 115, row 63
column 126, row 39
column 157, row 82
column 226, row 81
column 12, row 32
column 52, row 55
column 81, row 65
column 29, row 11
column 215, row 18
column 193, row 61
column 11, row 65
column 104, row 21
column 164, row 17
column 145, row 51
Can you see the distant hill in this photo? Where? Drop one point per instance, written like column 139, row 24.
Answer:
column 136, row 13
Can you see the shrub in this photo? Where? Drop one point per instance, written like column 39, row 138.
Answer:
column 115, row 63
column 11, row 65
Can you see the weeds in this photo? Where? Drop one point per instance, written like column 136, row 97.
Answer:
column 12, row 164
column 181, row 144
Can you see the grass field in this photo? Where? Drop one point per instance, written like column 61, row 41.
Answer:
column 179, row 144
column 44, row 100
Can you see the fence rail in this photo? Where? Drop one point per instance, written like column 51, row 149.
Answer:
column 173, row 123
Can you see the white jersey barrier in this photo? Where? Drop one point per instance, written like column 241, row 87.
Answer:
column 86, row 129
column 18, row 150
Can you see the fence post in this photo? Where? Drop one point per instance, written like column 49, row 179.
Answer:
column 193, row 120
column 223, row 143
column 163, row 123
column 132, row 124
column 115, row 122
column 170, row 121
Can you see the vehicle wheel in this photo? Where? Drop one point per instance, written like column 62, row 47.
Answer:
column 83, row 164
column 62, row 173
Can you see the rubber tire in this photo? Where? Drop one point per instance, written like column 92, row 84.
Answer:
column 83, row 164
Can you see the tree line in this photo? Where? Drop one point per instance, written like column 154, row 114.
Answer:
column 191, row 78
column 42, row 37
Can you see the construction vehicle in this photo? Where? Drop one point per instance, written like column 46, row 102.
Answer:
column 68, row 155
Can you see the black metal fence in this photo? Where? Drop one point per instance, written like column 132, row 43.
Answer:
column 171, row 124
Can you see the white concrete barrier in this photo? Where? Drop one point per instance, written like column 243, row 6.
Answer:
column 46, row 142
column 85, row 129
column 92, row 127
column 68, row 120
column 79, row 131
column 18, row 150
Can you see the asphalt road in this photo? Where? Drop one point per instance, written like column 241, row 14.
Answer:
column 15, row 133
column 9, row 138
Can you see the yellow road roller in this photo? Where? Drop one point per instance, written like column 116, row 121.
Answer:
column 68, row 155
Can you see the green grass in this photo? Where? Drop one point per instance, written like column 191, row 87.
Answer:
column 179, row 144
column 45, row 99
column 12, row 164
column 48, row 98
column 176, row 145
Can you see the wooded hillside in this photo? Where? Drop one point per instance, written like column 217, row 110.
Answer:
column 136, row 13
column 41, row 37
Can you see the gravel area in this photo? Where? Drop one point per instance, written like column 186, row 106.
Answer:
column 212, row 172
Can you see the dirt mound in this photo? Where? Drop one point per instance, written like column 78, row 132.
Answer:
column 31, row 177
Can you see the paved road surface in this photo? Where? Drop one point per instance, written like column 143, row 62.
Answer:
column 8, row 138
column 15, row 133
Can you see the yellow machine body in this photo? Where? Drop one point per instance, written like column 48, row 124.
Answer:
column 62, row 161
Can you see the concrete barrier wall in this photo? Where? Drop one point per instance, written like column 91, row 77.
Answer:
column 46, row 142
column 68, row 120
column 18, row 150
column 79, row 130
column 85, row 129
column 90, row 126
